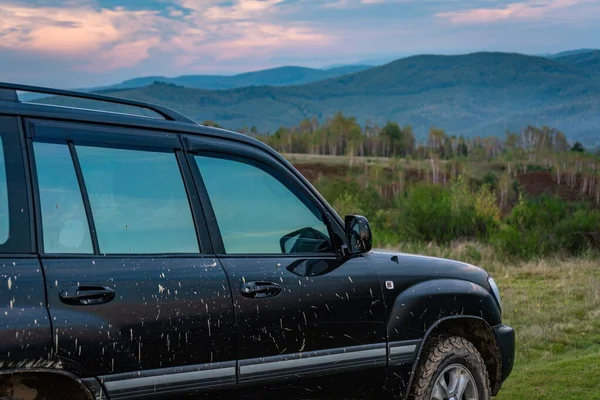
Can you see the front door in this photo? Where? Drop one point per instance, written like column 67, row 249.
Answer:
column 310, row 324
column 135, row 297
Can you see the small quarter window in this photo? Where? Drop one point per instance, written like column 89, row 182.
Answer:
column 64, row 222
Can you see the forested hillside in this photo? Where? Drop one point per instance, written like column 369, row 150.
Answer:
column 589, row 60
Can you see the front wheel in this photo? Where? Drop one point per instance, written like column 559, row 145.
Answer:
column 451, row 369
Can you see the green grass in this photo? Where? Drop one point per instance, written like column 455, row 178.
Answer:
column 570, row 376
column 554, row 306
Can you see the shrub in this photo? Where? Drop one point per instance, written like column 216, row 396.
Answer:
column 490, row 179
column 548, row 225
column 580, row 232
column 424, row 214
column 434, row 213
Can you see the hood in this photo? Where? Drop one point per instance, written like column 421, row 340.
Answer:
column 396, row 263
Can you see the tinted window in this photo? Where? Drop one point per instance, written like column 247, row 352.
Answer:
column 4, row 221
column 64, row 222
column 256, row 213
column 138, row 201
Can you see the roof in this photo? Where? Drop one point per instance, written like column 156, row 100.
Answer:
column 171, row 120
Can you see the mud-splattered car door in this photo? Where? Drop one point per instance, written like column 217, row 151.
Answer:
column 25, row 334
column 135, row 296
column 310, row 324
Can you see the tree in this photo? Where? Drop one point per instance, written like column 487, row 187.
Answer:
column 393, row 136
column 578, row 147
column 435, row 139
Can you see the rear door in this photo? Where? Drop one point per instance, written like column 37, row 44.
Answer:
column 25, row 333
column 135, row 296
column 310, row 323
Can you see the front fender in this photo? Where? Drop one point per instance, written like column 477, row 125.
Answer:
column 419, row 307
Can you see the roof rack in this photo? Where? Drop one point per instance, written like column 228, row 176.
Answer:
column 8, row 92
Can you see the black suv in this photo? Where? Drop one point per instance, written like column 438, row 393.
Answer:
column 146, row 256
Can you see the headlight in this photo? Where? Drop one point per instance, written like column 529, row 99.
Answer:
column 496, row 291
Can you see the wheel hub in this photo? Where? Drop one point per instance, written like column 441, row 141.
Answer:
column 455, row 383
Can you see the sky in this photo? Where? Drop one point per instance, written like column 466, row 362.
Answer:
column 86, row 43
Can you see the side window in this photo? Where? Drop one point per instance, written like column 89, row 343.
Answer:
column 258, row 214
column 138, row 201
column 64, row 222
column 137, row 198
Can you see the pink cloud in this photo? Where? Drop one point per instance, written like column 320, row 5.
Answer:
column 122, row 55
column 245, row 39
column 117, row 38
column 526, row 10
column 240, row 9
column 246, row 28
column 100, row 39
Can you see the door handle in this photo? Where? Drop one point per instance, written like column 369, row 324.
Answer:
column 260, row 289
column 86, row 295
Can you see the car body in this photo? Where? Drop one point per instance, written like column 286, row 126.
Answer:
column 148, row 257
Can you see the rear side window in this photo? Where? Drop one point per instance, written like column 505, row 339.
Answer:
column 4, row 212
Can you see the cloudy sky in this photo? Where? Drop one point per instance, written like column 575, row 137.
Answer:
column 82, row 43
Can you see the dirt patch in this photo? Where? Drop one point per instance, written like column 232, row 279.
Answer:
column 538, row 183
column 388, row 181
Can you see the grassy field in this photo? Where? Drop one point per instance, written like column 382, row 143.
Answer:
column 555, row 308
column 554, row 305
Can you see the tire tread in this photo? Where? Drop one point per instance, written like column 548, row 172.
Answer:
column 435, row 350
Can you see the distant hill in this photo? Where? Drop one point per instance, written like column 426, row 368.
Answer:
column 569, row 53
column 370, row 62
column 589, row 60
column 281, row 76
column 473, row 94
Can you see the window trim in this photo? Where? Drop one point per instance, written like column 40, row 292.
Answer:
column 87, row 205
column 259, row 159
column 103, row 135
column 132, row 139
column 21, row 237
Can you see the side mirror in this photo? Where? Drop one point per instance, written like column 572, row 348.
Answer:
column 358, row 233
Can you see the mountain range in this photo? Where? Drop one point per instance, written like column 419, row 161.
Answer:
column 482, row 93
column 281, row 76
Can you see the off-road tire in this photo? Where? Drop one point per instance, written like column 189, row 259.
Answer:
column 442, row 352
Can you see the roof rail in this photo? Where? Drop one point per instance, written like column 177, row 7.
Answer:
column 8, row 92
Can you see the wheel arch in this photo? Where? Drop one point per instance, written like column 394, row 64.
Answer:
column 29, row 380
column 474, row 329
